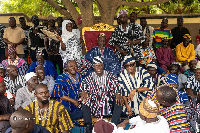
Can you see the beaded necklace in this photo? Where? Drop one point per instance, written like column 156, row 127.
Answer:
column 42, row 117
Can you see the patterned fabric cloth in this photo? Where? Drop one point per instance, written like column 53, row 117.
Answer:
column 188, row 73
column 149, row 30
column 26, row 32
column 128, row 83
column 14, row 86
column 176, row 118
column 158, row 35
column 101, row 91
column 165, row 57
column 148, row 55
column 110, row 61
column 24, row 97
column 182, row 79
column 2, row 43
column 158, row 80
column 193, row 84
column 21, row 64
column 192, row 109
column 66, row 85
column 73, row 47
column 120, row 37
column 49, row 68
column 185, row 53
column 55, row 119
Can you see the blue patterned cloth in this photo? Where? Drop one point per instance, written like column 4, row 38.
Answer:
column 188, row 73
column 110, row 60
column 66, row 85
column 49, row 68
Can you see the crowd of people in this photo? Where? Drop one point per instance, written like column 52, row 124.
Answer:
column 152, row 78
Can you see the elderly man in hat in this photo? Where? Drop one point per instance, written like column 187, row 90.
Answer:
column 49, row 68
column 135, row 83
column 25, row 95
column 126, row 38
column 97, row 91
column 36, row 38
column 156, row 78
column 185, row 51
column 147, row 122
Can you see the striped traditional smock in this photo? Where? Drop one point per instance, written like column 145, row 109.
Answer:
column 101, row 91
column 128, row 82
column 55, row 119
column 176, row 118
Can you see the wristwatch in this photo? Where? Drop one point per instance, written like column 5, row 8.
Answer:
column 136, row 89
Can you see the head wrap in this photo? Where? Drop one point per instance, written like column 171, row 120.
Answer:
column 101, row 35
column 128, row 59
column 152, row 65
column 1, row 79
column 97, row 60
column 149, row 108
column 164, row 38
column 187, row 36
column 123, row 11
column 11, row 49
column 66, row 35
column 29, row 75
column 172, row 78
column 39, row 53
column 103, row 126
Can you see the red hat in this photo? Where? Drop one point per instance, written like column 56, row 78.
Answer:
column 102, row 126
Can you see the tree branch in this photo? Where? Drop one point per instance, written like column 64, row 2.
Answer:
column 163, row 9
column 139, row 4
column 57, row 7
column 70, row 7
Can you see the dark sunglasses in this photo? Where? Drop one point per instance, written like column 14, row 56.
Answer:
column 131, row 65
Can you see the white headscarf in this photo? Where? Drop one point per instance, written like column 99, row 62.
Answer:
column 66, row 35
column 29, row 76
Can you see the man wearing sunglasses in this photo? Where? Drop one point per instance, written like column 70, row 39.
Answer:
column 135, row 83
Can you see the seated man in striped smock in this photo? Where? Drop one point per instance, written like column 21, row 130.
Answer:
column 97, row 91
column 135, row 83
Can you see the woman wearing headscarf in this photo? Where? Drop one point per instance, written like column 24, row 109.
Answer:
column 110, row 60
column 70, row 48
column 136, row 82
column 13, row 59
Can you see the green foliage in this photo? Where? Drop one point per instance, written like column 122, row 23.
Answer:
column 29, row 7
column 41, row 8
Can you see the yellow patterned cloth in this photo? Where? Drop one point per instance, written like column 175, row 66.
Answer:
column 185, row 53
column 55, row 119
